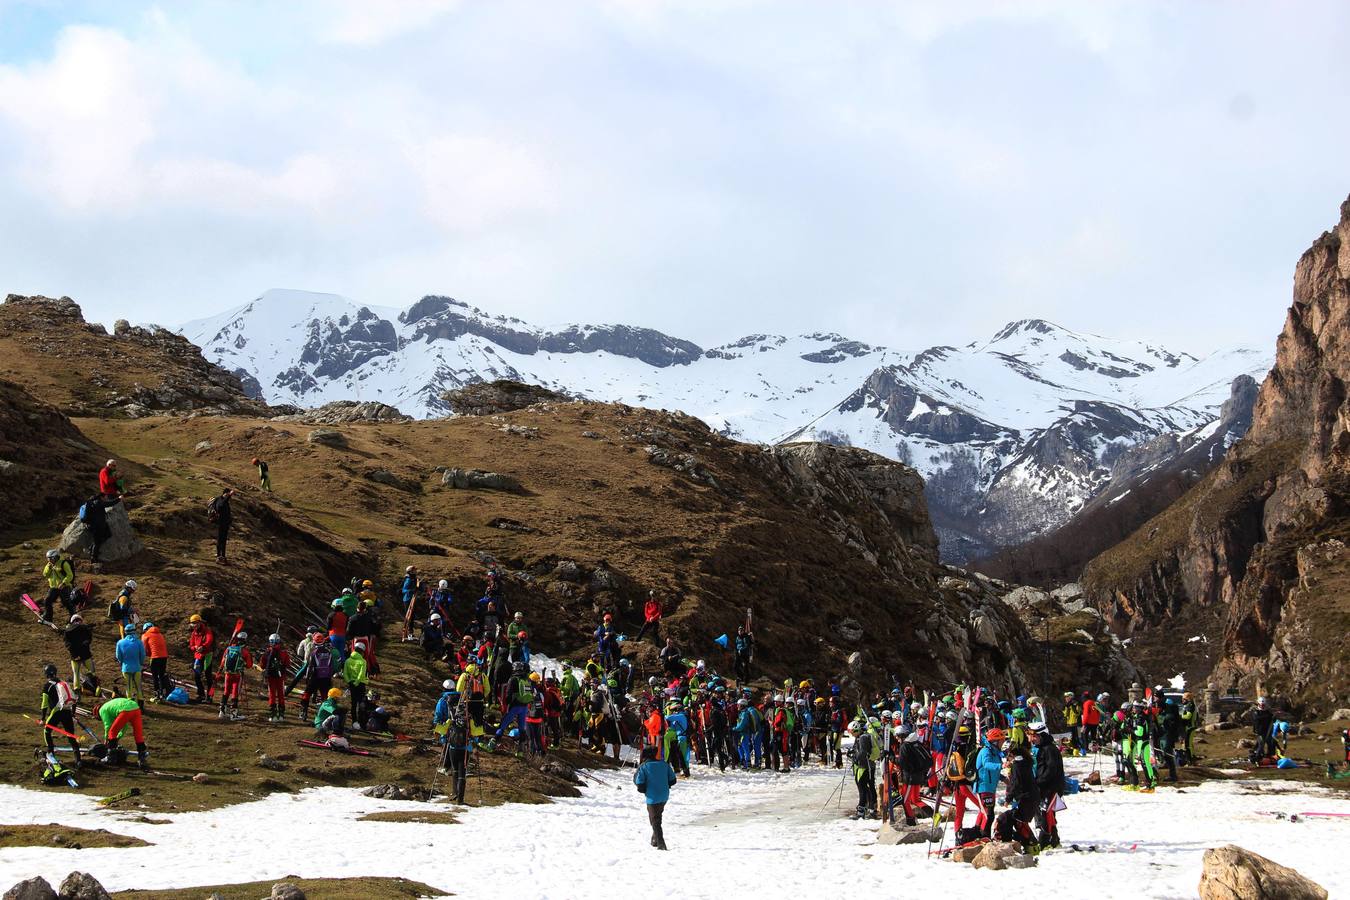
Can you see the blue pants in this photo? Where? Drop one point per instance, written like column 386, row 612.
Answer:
column 515, row 713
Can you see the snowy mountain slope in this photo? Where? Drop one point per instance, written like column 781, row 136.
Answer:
column 1014, row 434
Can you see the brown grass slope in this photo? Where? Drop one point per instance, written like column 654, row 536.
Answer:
column 1253, row 558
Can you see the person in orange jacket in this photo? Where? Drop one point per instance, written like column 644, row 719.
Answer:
column 157, row 651
column 655, row 726
column 202, row 643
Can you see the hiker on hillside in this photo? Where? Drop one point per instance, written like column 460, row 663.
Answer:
column 60, row 576
column 670, row 659
column 202, row 643
column 411, row 587
column 58, row 712
column 455, row 756
column 355, row 672
column 109, row 484
column 654, row 779
column 433, row 638
column 218, row 511
column 77, row 637
column 123, row 609
column 94, row 515
column 157, row 652
column 745, row 648
column 116, row 714
column 330, row 718
column 519, row 695
column 363, row 627
column 130, row 653
column 264, row 479
column 233, row 664
column 651, row 618
column 441, row 601
column 275, row 663
column 607, row 643
column 320, row 667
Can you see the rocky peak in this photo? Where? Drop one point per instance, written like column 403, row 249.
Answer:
column 497, row 397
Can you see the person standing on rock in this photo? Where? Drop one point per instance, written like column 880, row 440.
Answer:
column 654, row 779
column 109, row 484
column 218, row 511
column 651, row 615
column 94, row 515
column 60, row 576
column 264, row 478
column 745, row 648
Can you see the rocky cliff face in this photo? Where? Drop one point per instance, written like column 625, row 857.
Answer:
column 1254, row 555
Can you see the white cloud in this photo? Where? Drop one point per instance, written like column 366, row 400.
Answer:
column 367, row 22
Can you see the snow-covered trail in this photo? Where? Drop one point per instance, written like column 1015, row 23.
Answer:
column 728, row 834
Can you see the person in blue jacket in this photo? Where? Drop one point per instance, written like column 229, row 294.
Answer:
column 130, row 654
column 677, row 736
column 655, row 778
column 988, row 768
column 445, row 707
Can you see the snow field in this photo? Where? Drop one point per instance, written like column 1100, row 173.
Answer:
column 729, row 834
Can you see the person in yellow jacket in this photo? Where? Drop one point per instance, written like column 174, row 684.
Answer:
column 60, row 576
column 356, row 673
column 472, row 688
column 1072, row 718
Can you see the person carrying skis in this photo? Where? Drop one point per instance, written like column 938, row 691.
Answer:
column 123, row 609
column 864, row 755
column 916, row 762
column 473, row 692
column 275, row 663
column 236, row 661
column 654, row 779
column 988, row 770
column 130, row 654
column 651, row 618
column 455, row 756
column 1048, row 765
column 202, row 644
column 116, row 714
column 60, row 576
column 77, row 637
column 264, row 477
column 218, row 511
column 157, row 652
column 411, row 587
column 58, row 712
column 744, row 649
column 355, row 672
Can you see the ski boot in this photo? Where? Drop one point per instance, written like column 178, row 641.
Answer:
column 221, row 713
column 142, row 758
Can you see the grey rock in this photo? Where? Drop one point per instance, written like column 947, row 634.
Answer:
column 82, row 886
column 855, row 662
column 1340, row 715
column 6, row 467
column 892, row 835
column 344, row 412
column 203, row 446
column 1233, row 873
column 995, row 855
column 122, row 544
column 1020, row 862
column 268, row 762
column 567, row 570
column 982, row 629
column 384, row 476
column 32, row 889
column 497, row 397
column 284, row 890
column 602, row 579
column 477, row 478
column 327, row 437
column 387, row 792
column 850, row 630
column 559, row 769
column 520, row 431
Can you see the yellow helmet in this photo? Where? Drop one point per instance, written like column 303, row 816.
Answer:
column 534, row 676
column 194, row 619
column 367, row 583
column 471, row 669
column 334, row 693
column 804, row 685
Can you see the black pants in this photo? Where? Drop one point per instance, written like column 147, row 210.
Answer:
column 866, row 779
column 358, row 703
column 159, row 673
column 222, row 535
column 654, row 813
column 742, row 667
column 57, row 593
column 65, row 720
column 655, row 626
column 456, row 760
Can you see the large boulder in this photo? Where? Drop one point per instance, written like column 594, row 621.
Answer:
column 477, row 478
column 1232, row 873
column 327, row 437
column 82, row 886
column 891, row 835
column 32, row 889
column 123, row 543
column 998, row 855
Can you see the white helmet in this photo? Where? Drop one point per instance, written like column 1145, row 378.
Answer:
column 434, row 617
column 448, row 684
column 444, row 585
column 411, row 569
column 130, row 585
column 53, row 554
column 241, row 636
column 914, row 706
column 702, row 665
column 110, row 464
column 777, row 698
column 76, row 619
column 360, row 645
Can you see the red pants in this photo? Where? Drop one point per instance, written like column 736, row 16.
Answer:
column 910, row 799
column 276, row 691
column 232, row 684
column 964, row 793
column 938, row 759
column 1050, row 812
column 130, row 717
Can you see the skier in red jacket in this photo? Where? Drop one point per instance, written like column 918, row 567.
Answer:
column 651, row 613
column 108, row 483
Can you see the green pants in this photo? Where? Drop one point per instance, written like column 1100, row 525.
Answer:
column 1143, row 754
column 133, row 685
column 265, row 482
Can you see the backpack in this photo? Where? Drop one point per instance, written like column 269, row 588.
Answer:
column 274, row 669
column 953, row 769
column 524, row 692
column 213, row 509
column 84, row 512
column 115, row 609
column 322, row 659
column 234, row 659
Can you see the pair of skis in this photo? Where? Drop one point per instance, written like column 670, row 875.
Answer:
column 37, row 611
column 319, row 745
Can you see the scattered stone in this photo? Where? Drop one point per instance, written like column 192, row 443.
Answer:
column 83, row 886
column 387, row 792
column 591, row 435
column 855, row 662
column 201, row 778
column 327, row 437
column 966, row 854
column 995, row 855
column 850, row 630
column 494, row 398
column 268, row 762
column 203, row 446
column 982, row 629
column 284, row 890
column 1245, row 743
column 567, row 570
column 1232, row 873
column 1020, row 862
column 342, row 412
column 521, row 430
column 477, row 478
column 1094, row 778
column 32, row 889
column 1340, row 715
column 559, row 769
column 384, row 476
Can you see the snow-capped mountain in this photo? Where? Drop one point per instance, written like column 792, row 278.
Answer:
column 1013, row 434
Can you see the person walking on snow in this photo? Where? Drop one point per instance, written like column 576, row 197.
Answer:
column 264, row 479
column 60, row 576
column 864, row 756
column 130, row 653
column 1049, row 768
column 654, row 779
column 218, row 511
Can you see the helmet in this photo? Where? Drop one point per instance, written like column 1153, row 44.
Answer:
column 1102, row 698
column 367, row 603
column 274, row 639
column 1038, row 727
column 410, row 569
column 742, row 702
column 885, row 714
column 535, row 677
column 110, row 464
column 914, row 707
column 194, row 619
column 1069, row 694
column 777, row 698
column 951, row 716
column 448, row 683
column 819, row 700
column 1125, row 705
column 360, row 645
column 652, row 681
column 130, row 585
column 518, row 617
column 1019, row 714
column 471, row 669
column 147, row 626
column 337, row 604
column 701, row 665
column 434, row 617
column 334, row 693
column 609, row 617
column 53, row 554
column 369, row 583
column 854, row 727
column 518, row 667
column 76, row 619
column 443, row 585
column 49, row 670
column 348, row 590
column 626, row 663
column 310, row 629
column 241, row 636
column 254, row 461
column 1139, row 704
column 804, row 685
column 379, row 710
column 1260, row 701
column 522, row 636
column 995, row 735
column 964, row 730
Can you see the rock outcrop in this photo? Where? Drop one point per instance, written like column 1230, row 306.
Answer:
column 347, row 412
column 1252, row 560
column 492, row 398
column 478, row 479
column 1232, row 873
column 47, row 466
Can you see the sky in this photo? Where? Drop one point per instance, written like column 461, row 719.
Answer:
column 904, row 174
